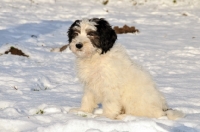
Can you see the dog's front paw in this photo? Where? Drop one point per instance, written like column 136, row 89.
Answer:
column 74, row 110
column 79, row 112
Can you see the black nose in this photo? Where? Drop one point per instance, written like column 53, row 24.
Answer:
column 79, row 45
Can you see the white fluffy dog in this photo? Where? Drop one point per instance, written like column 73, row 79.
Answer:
column 110, row 77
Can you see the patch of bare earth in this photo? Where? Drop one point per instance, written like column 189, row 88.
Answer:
column 125, row 29
column 15, row 51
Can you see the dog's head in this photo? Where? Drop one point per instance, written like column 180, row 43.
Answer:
column 88, row 36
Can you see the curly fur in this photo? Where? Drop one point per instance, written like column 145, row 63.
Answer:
column 110, row 77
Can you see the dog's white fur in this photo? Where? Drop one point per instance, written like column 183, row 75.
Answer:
column 113, row 79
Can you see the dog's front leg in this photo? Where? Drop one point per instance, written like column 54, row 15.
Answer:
column 88, row 102
column 87, row 105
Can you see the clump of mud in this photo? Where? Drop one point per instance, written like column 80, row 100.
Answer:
column 125, row 29
column 60, row 49
column 15, row 51
column 63, row 47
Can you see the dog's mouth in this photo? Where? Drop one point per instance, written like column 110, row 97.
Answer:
column 79, row 50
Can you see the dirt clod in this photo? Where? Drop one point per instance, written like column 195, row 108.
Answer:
column 63, row 48
column 125, row 29
column 15, row 51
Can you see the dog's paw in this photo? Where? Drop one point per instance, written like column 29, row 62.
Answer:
column 74, row 110
column 77, row 111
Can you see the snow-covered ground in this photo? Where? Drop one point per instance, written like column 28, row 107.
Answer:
column 37, row 92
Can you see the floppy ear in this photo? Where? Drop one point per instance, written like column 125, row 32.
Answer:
column 106, row 33
column 71, row 31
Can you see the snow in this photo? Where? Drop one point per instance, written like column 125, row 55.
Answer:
column 37, row 92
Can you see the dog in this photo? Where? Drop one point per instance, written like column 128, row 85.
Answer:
column 110, row 77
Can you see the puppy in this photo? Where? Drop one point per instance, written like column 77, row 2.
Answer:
column 110, row 77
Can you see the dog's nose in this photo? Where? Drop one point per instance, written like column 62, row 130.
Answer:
column 79, row 45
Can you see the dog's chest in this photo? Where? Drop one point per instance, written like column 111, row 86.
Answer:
column 90, row 71
column 92, row 75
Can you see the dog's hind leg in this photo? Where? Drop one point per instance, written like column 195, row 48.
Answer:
column 174, row 114
column 111, row 110
column 111, row 107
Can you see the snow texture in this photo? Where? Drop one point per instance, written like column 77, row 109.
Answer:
column 36, row 92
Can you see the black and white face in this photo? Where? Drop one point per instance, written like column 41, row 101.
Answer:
column 90, row 36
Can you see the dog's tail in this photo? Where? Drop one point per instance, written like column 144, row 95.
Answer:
column 174, row 114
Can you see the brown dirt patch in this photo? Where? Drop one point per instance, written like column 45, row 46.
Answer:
column 63, row 47
column 15, row 51
column 125, row 29
column 59, row 49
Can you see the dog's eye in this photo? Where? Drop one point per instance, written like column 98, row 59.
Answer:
column 91, row 34
column 75, row 34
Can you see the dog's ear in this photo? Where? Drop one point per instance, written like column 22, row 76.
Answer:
column 106, row 33
column 71, row 30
